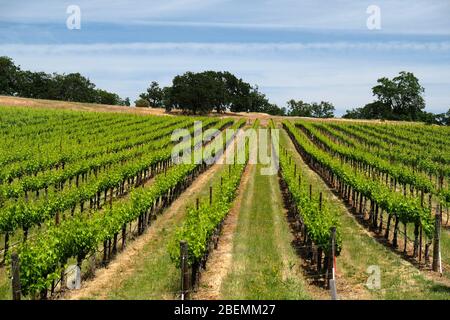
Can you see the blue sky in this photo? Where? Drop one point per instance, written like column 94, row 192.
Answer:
column 309, row 50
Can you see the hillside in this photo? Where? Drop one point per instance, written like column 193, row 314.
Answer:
column 55, row 104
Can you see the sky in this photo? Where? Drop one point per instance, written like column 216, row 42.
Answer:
column 292, row 49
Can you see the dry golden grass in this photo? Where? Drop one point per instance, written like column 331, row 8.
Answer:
column 79, row 106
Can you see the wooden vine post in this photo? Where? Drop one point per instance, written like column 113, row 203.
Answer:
column 320, row 201
column 332, row 266
column 184, row 270
column 6, row 247
column 210, row 195
column 15, row 267
column 437, row 264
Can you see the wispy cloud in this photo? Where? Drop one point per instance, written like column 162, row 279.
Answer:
column 442, row 46
column 401, row 16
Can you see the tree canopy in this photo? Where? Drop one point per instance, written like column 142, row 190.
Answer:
column 142, row 103
column 208, row 91
column 400, row 98
column 8, row 76
column 154, row 95
column 313, row 110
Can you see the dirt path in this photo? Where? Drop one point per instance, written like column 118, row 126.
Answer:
column 126, row 262
column 220, row 260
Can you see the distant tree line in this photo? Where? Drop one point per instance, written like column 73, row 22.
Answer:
column 208, row 91
column 41, row 85
column 312, row 110
column 196, row 93
column 400, row 98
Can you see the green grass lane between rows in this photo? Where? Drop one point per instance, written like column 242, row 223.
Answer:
column 265, row 266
